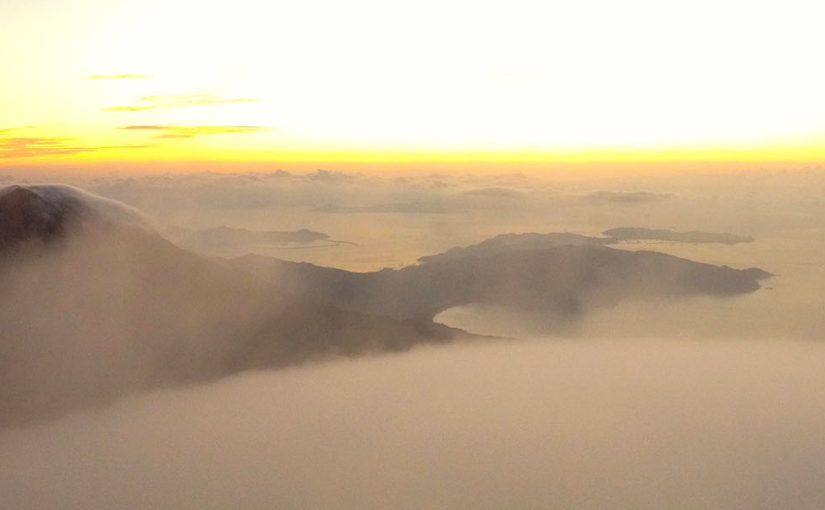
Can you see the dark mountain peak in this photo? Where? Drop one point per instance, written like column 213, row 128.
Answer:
column 27, row 216
column 43, row 213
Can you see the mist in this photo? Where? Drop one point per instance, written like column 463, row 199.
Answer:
column 392, row 218
column 688, row 424
column 141, row 369
column 376, row 255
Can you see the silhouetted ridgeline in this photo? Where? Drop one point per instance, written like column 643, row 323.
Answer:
column 563, row 275
column 95, row 304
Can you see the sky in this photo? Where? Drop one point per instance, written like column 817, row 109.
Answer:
column 152, row 81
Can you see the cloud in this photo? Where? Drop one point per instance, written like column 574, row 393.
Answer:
column 127, row 108
column 494, row 192
column 135, row 146
column 15, row 128
column 193, row 131
column 694, row 236
column 177, row 101
column 626, row 197
column 406, row 207
column 28, row 147
column 682, row 424
column 22, row 147
column 119, row 77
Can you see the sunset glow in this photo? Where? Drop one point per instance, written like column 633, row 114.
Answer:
column 370, row 81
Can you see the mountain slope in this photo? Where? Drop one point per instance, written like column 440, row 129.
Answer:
column 93, row 305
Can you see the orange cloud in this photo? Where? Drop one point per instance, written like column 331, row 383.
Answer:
column 127, row 108
column 193, row 131
column 28, row 147
column 23, row 147
column 181, row 101
column 119, row 77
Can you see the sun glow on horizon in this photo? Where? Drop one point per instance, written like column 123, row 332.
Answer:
column 384, row 81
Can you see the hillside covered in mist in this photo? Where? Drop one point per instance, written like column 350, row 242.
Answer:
column 93, row 306
column 96, row 304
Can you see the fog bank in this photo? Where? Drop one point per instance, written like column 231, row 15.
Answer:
column 676, row 424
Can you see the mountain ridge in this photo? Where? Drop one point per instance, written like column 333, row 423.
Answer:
column 96, row 304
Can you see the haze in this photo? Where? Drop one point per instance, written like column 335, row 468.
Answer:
column 442, row 254
column 686, row 403
column 597, row 424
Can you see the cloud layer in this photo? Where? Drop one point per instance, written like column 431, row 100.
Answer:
column 683, row 425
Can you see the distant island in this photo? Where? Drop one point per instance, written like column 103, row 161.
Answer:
column 223, row 236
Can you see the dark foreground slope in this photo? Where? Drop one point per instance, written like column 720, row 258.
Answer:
column 94, row 304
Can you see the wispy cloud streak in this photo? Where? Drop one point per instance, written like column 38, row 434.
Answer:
column 12, row 147
column 177, row 101
column 193, row 131
column 119, row 77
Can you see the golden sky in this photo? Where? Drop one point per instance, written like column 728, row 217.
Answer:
column 378, row 80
